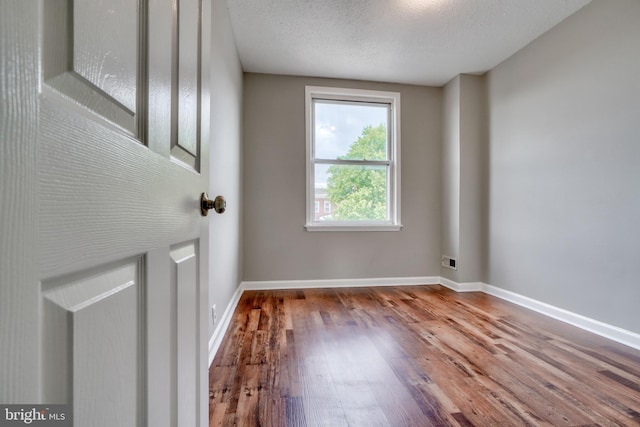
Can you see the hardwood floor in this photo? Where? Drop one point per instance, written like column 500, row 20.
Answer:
column 414, row 356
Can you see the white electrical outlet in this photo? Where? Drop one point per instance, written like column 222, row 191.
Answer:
column 214, row 315
column 449, row 262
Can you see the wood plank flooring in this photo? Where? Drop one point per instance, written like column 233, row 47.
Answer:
column 414, row 356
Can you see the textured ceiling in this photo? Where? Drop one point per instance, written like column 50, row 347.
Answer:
column 425, row 42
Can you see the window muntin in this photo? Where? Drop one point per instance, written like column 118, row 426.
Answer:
column 353, row 148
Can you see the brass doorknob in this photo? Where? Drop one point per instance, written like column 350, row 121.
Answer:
column 219, row 204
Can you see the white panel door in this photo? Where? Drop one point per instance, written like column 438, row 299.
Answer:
column 104, row 155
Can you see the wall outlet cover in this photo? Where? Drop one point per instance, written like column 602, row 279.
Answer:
column 449, row 262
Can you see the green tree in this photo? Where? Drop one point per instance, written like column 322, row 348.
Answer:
column 359, row 192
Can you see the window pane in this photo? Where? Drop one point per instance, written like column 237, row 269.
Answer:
column 350, row 131
column 355, row 193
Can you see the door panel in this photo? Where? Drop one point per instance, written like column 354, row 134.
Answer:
column 93, row 343
column 185, row 283
column 93, row 54
column 188, row 141
column 105, row 47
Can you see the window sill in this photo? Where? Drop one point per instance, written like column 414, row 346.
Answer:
column 351, row 227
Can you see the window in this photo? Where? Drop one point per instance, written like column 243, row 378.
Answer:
column 317, row 207
column 353, row 159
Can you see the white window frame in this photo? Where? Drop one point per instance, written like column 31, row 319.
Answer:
column 393, row 137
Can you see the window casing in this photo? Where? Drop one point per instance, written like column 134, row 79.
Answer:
column 334, row 156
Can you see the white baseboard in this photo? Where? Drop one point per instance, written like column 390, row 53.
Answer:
column 341, row 283
column 223, row 324
column 611, row 332
column 461, row 287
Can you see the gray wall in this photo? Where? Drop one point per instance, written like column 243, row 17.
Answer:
column 276, row 245
column 450, row 200
column 225, row 247
column 473, row 156
column 463, row 177
column 564, row 161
